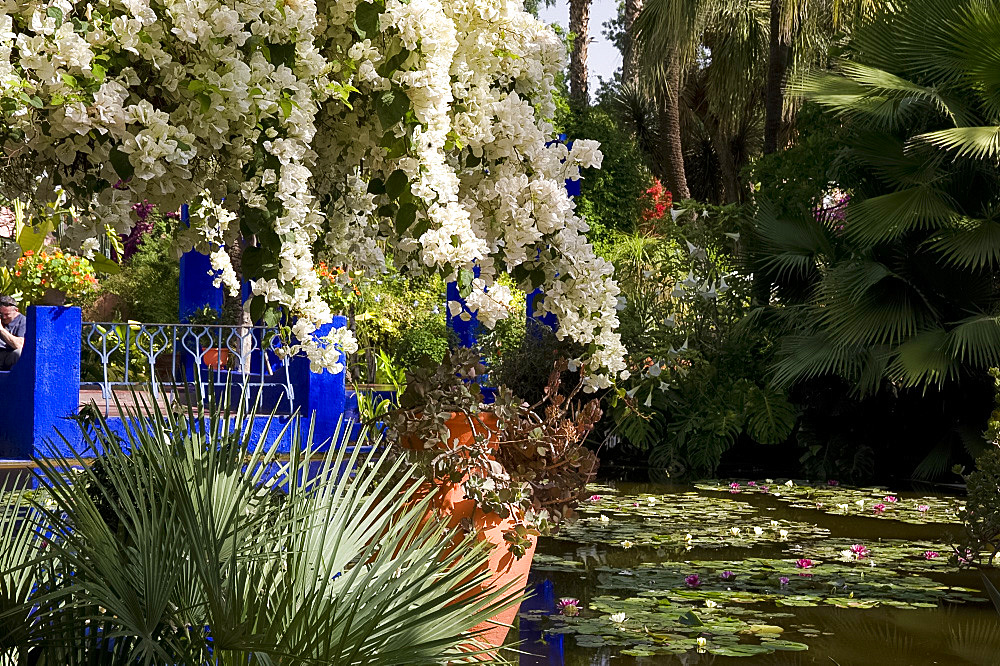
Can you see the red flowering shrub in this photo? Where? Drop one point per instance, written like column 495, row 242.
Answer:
column 656, row 202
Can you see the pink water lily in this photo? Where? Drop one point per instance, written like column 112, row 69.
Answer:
column 931, row 555
column 735, row 485
column 783, row 580
column 595, row 498
column 692, row 581
column 891, row 499
column 569, row 607
column 727, row 575
column 860, row 551
column 751, row 483
column 833, row 482
column 922, row 508
column 879, row 509
column 804, row 564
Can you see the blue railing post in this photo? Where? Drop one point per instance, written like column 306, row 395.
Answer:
column 320, row 397
column 43, row 388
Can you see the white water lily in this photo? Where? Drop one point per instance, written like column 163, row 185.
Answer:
column 758, row 530
column 651, row 501
column 774, row 523
column 789, row 483
column 847, row 555
column 710, row 604
column 604, row 519
column 702, row 641
column 860, row 503
column 843, row 507
column 688, row 537
column 618, row 618
column 626, row 544
column 735, row 531
column 783, row 534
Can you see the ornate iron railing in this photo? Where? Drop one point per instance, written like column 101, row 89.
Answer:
column 119, row 355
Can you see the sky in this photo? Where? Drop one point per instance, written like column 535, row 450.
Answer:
column 603, row 58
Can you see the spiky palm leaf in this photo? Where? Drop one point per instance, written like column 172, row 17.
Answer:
column 222, row 552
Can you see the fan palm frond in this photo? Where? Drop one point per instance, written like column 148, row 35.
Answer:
column 198, row 539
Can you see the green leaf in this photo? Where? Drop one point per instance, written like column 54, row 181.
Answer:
column 123, row 167
column 465, row 278
column 104, row 265
column 206, row 102
column 405, row 216
column 56, row 13
column 366, row 19
column 376, row 186
column 396, row 183
column 286, row 107
column 68, row 79
column 391, row 107
column 257, row 307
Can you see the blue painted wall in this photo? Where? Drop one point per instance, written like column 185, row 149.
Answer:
column 196, row 290
column 43, row 388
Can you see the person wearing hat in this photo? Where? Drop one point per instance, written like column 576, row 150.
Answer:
column 12, row 327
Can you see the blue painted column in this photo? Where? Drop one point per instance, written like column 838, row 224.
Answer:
column 465, row 331
column 320, row 397
column 196, row 289
column 535, row 297
column 43, row 387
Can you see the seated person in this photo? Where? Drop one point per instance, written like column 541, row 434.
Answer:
column 12, row 331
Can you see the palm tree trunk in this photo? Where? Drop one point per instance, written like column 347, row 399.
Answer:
column 579, row 25
column 630, row 55
column 671, row 146
column 774, row 93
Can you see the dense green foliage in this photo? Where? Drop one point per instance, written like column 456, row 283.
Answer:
column 147, row 287
column 896, row 292
column 697, row 384
column 610, row 196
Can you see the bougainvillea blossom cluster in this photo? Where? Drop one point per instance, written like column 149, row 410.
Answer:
column 319, row 131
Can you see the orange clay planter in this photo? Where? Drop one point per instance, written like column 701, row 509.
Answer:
column 503, row 566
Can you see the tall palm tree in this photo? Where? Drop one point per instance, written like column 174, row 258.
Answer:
column 579, row 26
column 630, row 54
column 191, row 541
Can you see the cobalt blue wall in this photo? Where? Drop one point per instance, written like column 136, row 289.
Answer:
column 43, row 388
column 196, row 290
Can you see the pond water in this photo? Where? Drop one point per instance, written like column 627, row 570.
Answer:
column 757, row 573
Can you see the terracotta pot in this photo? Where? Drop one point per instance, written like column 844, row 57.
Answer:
column 503, row 566
column 56, row 297
column 216, row 358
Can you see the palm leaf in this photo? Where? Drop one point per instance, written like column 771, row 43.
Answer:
column 978, row 143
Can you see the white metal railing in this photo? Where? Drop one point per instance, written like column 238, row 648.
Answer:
column 116, row 354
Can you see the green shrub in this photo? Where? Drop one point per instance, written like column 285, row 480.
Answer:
column 148, row 287
column 982, row 511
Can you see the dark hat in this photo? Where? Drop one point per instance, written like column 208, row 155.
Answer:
column 7, row 301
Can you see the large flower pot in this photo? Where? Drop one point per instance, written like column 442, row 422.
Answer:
column 503, row 566
column 215, row 358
